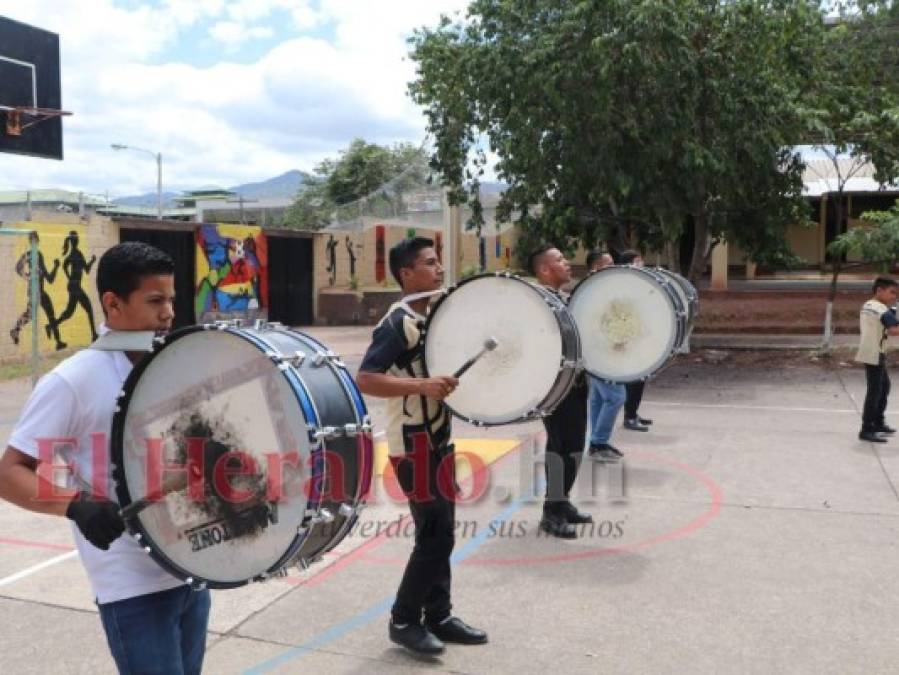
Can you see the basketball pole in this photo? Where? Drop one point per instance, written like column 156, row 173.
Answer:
column 34, row 292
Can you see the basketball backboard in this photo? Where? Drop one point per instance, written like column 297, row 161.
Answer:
column 29, row 78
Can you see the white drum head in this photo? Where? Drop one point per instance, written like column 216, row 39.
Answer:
column 219, row 385
column 509, row 382
column 627, row 323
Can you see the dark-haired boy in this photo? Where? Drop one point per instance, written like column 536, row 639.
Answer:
column 153, row 621
column 877, row 322
column 566, row 427
column 418, row 439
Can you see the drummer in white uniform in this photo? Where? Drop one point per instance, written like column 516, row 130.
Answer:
column 153, row 621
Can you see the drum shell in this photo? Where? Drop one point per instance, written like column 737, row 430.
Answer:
column 338, row 403
column 689, row 292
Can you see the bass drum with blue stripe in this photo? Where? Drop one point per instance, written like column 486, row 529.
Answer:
column 239, row 451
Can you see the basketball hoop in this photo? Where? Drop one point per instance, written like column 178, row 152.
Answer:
column 17, row 114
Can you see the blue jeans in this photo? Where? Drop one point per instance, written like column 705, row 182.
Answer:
column 162, row 632
column 605, row 401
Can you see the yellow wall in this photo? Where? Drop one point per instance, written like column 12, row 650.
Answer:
column 363, row 246
column 94, row 237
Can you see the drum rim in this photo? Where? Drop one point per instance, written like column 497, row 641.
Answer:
column 531, row 415
column 677, row 338
column 134, row 525
column 690, row 292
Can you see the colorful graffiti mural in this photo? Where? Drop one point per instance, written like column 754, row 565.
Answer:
column 232, row 273
column 66, row 282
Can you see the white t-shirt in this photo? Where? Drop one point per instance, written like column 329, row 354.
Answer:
column 77, row 400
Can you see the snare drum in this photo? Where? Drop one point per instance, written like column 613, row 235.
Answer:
column 534, row 363
column 278, row 444
column 631, row 321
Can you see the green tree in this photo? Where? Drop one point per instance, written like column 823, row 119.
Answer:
column 876, row 243
column 854, row 113
column 616, row 120
column 366, row 177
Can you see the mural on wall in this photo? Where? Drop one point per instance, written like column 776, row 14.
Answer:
column 380, row 254
column 72, row 288
column 352, row 254
column 76, row 268
column 331, row 247
column 232, row 273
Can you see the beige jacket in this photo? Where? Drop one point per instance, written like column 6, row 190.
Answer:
column 873, row 339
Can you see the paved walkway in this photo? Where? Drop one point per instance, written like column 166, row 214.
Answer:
column 748, row 532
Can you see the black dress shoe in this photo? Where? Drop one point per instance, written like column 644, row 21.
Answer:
column 605, row 452
column 885, row 429
column 556, row 525
column 415, row 637
column 572, row 515
column 871, row 437
column 634, row 424
column 453, row 629
column 644, row 421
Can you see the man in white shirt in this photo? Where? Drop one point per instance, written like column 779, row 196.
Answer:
column 877, row 322
column 154, row 623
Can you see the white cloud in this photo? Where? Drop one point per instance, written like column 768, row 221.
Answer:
column 229, row 122
column 233, row 34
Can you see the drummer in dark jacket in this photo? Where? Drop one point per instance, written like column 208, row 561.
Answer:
column 566, row 427
column 418, row 438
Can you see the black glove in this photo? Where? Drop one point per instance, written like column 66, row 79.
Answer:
column 98, row 519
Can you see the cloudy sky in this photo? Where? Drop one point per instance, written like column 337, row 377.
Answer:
column 230, row 91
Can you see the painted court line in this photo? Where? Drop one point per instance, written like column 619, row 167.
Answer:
column 371, row 613
column 27, row 572
column 24, row 543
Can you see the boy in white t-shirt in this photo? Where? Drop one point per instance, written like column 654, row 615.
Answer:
column 153, row 621
column 877, row 322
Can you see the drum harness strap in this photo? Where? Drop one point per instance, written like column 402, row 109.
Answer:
column 406, row 365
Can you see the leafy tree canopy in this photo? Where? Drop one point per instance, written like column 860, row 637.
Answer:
column 625, row 120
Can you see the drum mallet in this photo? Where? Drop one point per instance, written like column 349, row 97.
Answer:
column 489, row 345
column 173, row 484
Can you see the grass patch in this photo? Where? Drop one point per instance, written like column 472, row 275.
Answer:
column 13, row 370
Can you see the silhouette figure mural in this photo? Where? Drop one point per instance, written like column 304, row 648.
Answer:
column 331, row 247
column 23, row 269
column 64, row 288
column 232, row 273
column 75, row 267
column 349, row 249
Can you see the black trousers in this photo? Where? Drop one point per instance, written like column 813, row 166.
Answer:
column 428, row 480
column 634, row 396
column 878, row 380
column 566, row 432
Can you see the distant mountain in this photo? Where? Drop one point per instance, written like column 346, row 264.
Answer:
column 148, row 199
column 286, row 185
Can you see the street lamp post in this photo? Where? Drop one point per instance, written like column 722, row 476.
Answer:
column 158, row 156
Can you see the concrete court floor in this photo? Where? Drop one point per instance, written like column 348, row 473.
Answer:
column 754, row 534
